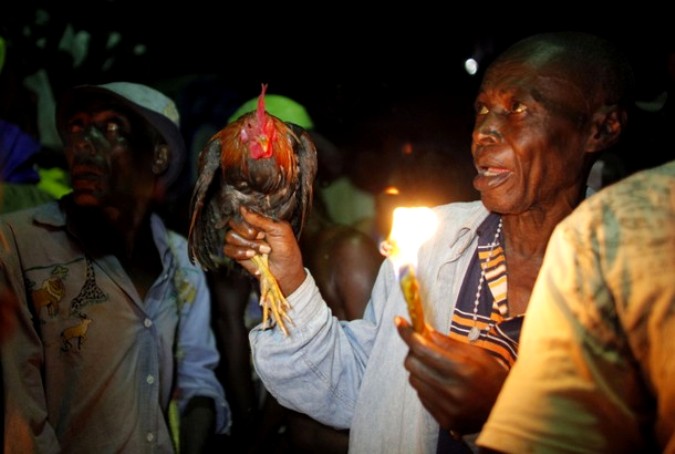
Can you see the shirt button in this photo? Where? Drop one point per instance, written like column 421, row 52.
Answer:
column 147, row 323
column 150, row 379
column 150, row 436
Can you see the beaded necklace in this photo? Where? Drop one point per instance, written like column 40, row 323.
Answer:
column 474, row 332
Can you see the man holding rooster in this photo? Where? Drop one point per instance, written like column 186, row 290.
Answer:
column 546, row 108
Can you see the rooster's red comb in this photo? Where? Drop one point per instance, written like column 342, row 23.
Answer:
column 261, row 105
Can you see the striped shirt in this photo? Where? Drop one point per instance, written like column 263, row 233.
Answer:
column 499, row 332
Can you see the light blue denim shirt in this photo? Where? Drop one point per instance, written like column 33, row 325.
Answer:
column 92, row 367
column 351, row 374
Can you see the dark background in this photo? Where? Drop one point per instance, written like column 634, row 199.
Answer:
column 370, row 76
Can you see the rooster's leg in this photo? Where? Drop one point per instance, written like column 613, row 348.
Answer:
column 271, row 298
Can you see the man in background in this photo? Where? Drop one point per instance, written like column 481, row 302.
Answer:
column 113, row 350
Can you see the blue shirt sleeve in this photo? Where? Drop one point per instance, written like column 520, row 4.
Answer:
column 196, row 349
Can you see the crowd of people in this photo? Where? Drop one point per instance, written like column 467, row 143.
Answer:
column 549, row 307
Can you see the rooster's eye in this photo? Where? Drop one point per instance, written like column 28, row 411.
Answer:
column 482, row 109
column 518, row 107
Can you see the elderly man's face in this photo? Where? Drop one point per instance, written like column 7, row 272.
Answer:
column 109, row 156
column 529, row 137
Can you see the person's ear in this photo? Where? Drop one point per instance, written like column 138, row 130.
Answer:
column 607, row 125
column 160, row 160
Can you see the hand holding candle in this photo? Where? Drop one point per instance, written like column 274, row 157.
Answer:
column 411, row 228
column 411, row 292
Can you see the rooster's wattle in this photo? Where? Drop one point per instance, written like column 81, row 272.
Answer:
column 266, row 165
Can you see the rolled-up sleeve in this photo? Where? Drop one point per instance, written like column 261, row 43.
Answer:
column 198, row 355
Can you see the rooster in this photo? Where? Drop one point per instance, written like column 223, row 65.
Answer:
column 266, row 165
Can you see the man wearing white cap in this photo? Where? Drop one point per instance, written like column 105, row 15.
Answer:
column 113, row 350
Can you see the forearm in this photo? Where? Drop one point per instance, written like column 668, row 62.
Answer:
column 236, row 375
column 230, row 294
column 315, row 369
column 199, row 357
column 197, row 425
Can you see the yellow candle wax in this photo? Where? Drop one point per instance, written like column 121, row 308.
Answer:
column 411, row 292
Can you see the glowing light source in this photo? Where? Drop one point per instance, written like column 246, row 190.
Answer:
column 471, row 66
column 391, row 190
column 411, row 228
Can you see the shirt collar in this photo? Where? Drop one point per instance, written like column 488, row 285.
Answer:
column 53, row 214
column 487, row 228
column 50, row 214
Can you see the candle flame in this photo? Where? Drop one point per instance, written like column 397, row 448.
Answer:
column 411, row 227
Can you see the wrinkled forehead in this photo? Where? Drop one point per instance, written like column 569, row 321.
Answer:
column 101, row 108
column 546, row 64
column 98, row 107
column 544, row 77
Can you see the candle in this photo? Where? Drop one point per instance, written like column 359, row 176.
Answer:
column 411, row 292
column 411, row 227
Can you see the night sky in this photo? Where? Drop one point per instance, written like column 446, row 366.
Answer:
column 391, row 73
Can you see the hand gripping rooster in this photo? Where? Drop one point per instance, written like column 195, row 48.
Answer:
column 266, row 165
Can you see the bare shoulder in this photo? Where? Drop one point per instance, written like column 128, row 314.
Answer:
column 346, row 243
column 344, row 262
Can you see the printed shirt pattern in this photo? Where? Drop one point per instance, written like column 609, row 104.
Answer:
column 108, row 356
